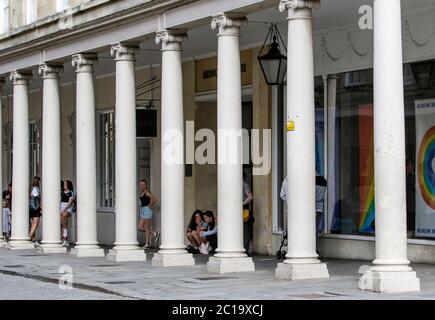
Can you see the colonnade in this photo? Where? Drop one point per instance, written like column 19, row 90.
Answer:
column 391, row 271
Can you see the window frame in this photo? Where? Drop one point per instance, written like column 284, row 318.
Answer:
column 4, row 14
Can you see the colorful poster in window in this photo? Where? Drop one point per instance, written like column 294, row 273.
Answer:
column 366, row 170
column 425, row 168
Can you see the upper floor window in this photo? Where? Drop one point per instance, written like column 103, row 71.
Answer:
column 4, row 16
column 31, row 11
column 62, row 5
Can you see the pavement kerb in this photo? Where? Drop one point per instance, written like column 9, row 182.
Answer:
column 76, row 285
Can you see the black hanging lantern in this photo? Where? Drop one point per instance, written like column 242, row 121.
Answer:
column 274, row 62
column 424, row 74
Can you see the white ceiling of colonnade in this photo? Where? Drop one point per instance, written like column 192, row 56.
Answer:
column 203, row 40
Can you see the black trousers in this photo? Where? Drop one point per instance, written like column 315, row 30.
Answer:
column 247, row 235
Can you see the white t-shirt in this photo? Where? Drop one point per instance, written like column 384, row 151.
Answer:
column 283, row 193
column 35, row 192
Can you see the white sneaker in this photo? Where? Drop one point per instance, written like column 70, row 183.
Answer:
column 207, row 246
column 203, row 249
column 65, row 243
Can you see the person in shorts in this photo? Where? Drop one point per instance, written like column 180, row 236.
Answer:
column 35, row 211
column 67, row 206
column 148, row 201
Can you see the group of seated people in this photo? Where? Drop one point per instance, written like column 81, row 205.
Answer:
column 202, row 232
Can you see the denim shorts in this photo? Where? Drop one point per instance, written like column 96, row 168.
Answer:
column 146, row 213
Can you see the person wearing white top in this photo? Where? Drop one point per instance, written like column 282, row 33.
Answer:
column 34, row 209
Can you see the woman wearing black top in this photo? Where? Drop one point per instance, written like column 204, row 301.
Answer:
column 66, row 209
column 34, row 209
column 148, row 201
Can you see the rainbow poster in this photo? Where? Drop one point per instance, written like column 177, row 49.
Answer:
column 366, row 170
column 425, row 168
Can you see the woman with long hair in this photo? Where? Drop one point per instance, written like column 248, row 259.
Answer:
column 196, row 225
column 67, row 201
column 208, row 237
column 34, row 209
column 148, row 201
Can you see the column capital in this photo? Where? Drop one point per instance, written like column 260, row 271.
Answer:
column 21, row 77
column 124, row 51
column 229, row 23
column 171, row 39
column 298, row 4
column 50, row 71
column 84, row 61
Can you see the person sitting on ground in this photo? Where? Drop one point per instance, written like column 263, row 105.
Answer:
column 208, row 237
column 196, row 224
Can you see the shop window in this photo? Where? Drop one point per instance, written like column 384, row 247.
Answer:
column 350, row 157
column 35, row 141
column 106, row 159
column 351, row 202
column 420, row 151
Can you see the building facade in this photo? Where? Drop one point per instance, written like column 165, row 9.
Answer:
column 355, row 107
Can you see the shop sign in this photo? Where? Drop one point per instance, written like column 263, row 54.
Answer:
column 206, row 72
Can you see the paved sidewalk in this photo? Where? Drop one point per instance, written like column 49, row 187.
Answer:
column 139, row 280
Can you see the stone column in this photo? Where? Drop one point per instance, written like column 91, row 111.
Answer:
column 51, row 159
column 301, row 260
column 126, row 245
column 230, row 255
column 172, row 250
column 391, row 272
column 87, row 244
column 2, row 238
column 20, row 173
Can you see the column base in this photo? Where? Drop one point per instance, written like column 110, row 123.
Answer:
column 88, row 252
column 173, row 260
column 20, row 245
column 289, row 271
column 52, row 248
column 120, row 255
column 228, row 265
column 390, row 281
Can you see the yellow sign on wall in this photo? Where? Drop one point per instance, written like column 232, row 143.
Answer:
column 290, row 126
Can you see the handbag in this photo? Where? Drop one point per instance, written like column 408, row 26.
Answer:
column 245, row 215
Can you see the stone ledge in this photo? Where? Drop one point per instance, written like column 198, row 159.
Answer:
column 127, row 255
column 173, row 260
column 286, row 271
column 390, row 282
column 229, row 265
column 88, row 252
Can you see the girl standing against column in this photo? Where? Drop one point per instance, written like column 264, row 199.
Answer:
column 148, row 201
column 35, row 209
column 66, row 208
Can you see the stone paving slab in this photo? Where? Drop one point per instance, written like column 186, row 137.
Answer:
column 139, row 280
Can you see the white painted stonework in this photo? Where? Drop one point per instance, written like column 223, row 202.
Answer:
column 20, row 175
column 172, row 249
column 51, row 174
column 391, row 271
column 87, row 244
column 301, row 260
